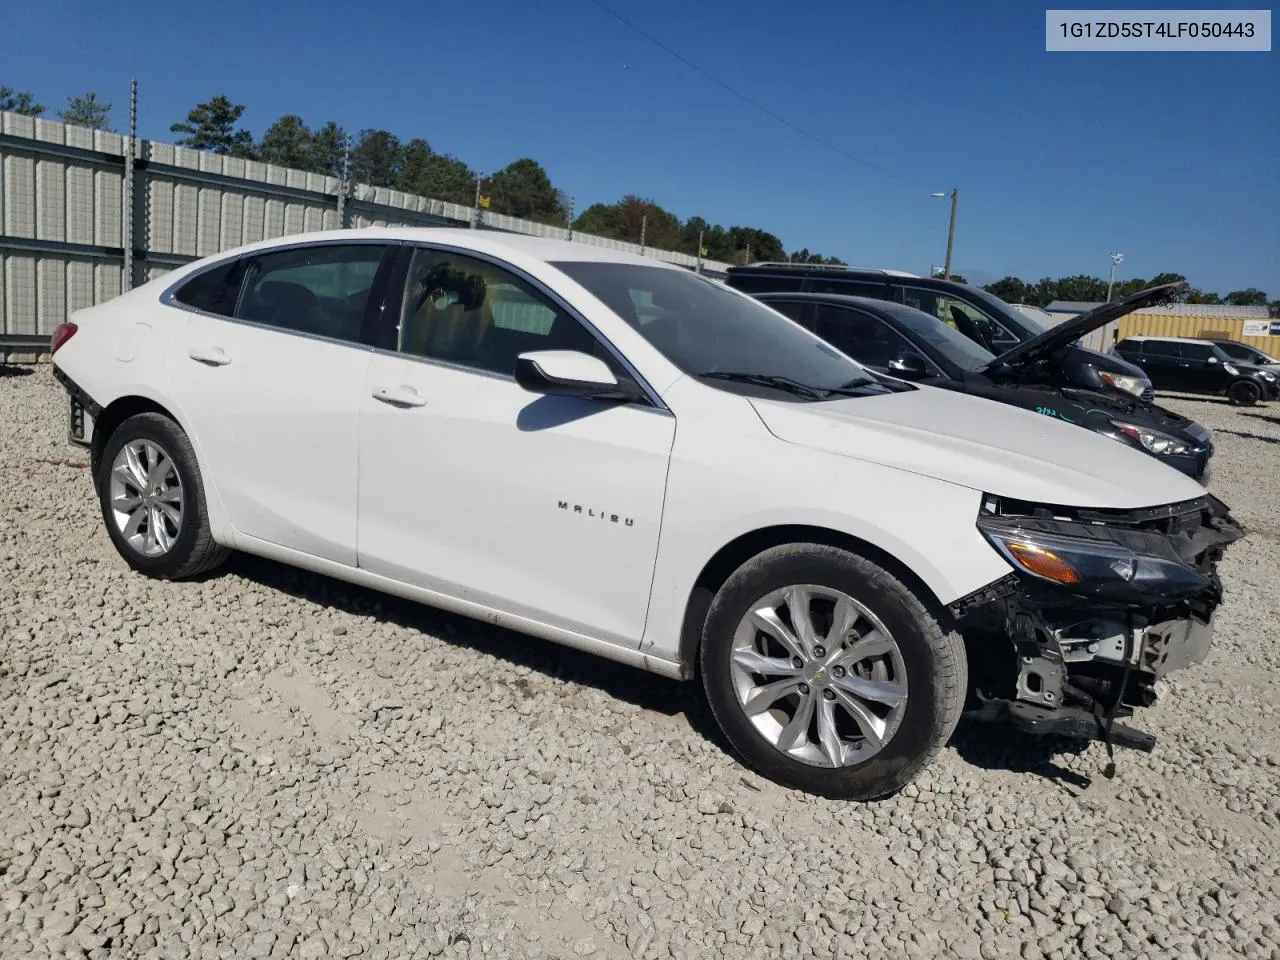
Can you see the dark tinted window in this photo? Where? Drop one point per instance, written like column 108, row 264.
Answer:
column 1129, row 348
column 473, row 313
column 1196, row 351
column 1239, row 351
column 795, row 309
column 848, row 288
column 213, row 291
column 1160, row 348
column 321, row 290
column 765, row 283
column 702, row 327
column 860, row 335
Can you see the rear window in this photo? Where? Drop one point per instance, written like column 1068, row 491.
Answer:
column 213, row 291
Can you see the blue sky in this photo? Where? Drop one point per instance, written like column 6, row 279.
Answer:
column 1173, row 159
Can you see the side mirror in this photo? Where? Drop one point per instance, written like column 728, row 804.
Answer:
column 1213, row 359
column 908, row 366
column 569, row 373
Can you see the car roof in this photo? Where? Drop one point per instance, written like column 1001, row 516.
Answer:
column 870, row 304
column 1138, row 339
column 485, row 241
column 767, row 266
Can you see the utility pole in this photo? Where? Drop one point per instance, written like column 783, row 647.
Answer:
column 130, row 147
column 569, row 221
column 644, row 224
column 699, row 269
column 951, row 229
column 1116, row 258
column 951, row 233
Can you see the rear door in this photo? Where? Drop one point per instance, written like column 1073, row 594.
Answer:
column 269, row 371
column 1202, row 368
column 1162, row 361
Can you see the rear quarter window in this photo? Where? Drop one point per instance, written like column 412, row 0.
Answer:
column 214, row 290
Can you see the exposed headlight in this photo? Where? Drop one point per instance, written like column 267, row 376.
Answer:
column 1231, row 368
column 1153, row 441
column 1133, row 385
column 1267, row 375
column 1088, row 566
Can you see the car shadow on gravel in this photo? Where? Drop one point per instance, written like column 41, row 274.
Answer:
column 991, row 746
column 629, row 684
column 984, row 745
column 1265, row 418
column 1249, row 436
column 14, row 370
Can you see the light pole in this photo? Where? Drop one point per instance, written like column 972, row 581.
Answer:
column 1116, row 258
column 951, row 229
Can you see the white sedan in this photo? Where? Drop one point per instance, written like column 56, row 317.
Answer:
column 622, row 456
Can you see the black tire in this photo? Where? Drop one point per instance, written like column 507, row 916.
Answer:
column 933, row 656
column 193, row 550
column 1244, row 393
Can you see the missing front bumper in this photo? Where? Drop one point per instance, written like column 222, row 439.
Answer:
column 1072, row 660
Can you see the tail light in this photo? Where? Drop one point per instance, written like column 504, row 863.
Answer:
column 63, row 333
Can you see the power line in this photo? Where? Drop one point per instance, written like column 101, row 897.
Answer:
column 742, row 96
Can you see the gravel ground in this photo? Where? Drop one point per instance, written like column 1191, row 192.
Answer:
column 270, row 763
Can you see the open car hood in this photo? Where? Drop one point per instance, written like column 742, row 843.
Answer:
column 1066, row 333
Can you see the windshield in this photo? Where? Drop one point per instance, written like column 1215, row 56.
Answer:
column 711, row 332
column 951, row 343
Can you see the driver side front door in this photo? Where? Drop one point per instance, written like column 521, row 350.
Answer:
column 545, row 508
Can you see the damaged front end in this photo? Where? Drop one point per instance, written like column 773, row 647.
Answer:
column 1102, row 603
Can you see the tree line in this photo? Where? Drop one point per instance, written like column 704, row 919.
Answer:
column 1094, row 290
column 523, row 189
column 382, row 159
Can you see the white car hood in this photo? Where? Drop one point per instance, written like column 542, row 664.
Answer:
column 983, row 445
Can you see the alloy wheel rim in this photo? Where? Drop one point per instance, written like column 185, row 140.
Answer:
column 146, row 497
column 818, row 676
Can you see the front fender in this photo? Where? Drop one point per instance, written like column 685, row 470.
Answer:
column 927, row 525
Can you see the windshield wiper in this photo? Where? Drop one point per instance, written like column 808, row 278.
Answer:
column 860, row 387
column 767, row 380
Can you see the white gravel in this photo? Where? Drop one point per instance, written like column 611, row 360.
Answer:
column 269, row 763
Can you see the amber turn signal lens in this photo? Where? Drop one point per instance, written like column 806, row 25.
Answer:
column 1044, row 563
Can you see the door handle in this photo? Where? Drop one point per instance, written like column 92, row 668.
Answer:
column 400, row 396
column 213, row 356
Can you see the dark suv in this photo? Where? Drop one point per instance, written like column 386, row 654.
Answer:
column 980, row 316
column 1184, row 365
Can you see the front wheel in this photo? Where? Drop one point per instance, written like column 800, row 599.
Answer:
column 153, row 501
column 828, row 674
column 1244, row 393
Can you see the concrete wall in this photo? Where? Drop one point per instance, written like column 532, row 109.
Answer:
column 63, row 221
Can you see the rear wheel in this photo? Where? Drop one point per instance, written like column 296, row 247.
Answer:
column 1244, row 393
column 827, row 674
column 153, row 501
